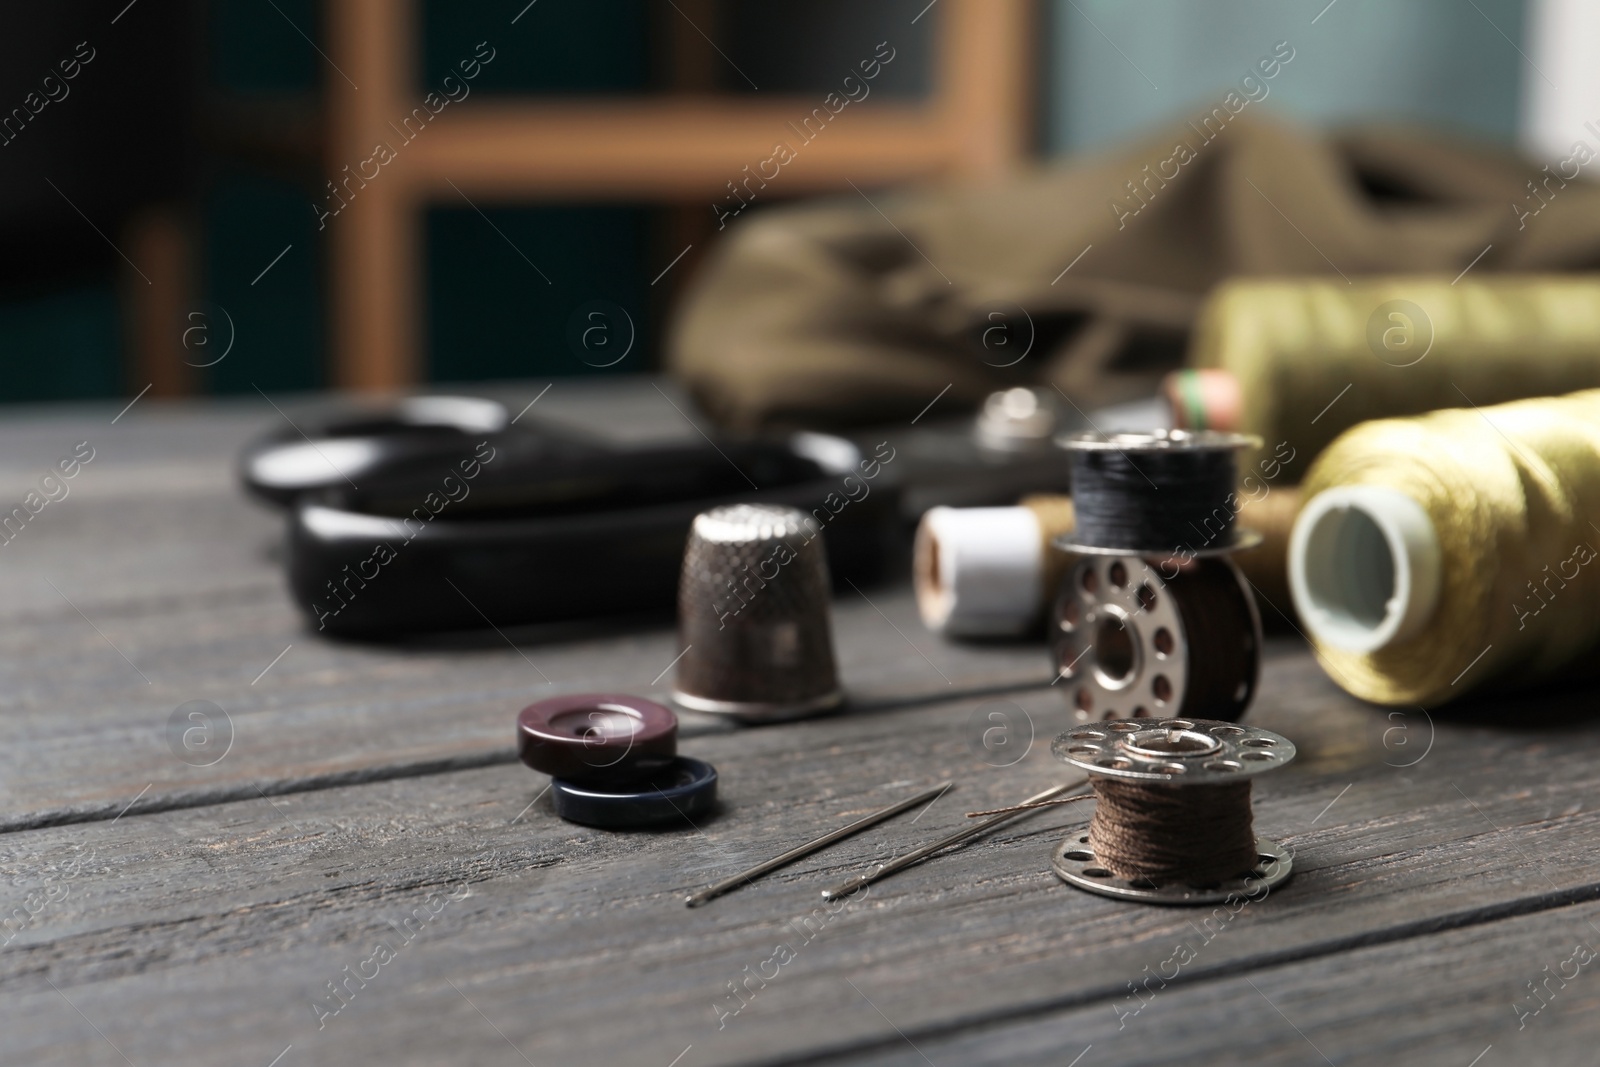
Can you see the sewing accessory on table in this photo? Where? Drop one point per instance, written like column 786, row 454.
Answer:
column 1440, row 554
column 613, row 761
column 597, row 738
column 1172, row 821
column 680, row 794
column 440, row 513
column 1155, row 619
column 985, row 572
column 694, row 900
column 753, row 616
column 860, row 881
column 981, row 572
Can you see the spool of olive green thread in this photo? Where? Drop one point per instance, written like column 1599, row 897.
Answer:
column 1453, row 551
column 1314, row 356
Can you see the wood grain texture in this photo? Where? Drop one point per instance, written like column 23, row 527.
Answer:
column 1459, row 997
column 1440, row 861
column 155, row 583
column 575, row 943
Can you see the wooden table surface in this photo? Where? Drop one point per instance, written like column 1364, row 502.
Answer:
column 158, row 912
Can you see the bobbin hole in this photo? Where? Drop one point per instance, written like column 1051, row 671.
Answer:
column 1097, row 872
column 1113, row 650
column 1161, row 688
column 1147, row 597
column 1223, row 765
column 1090, row 581
column 1163, row 642
column 1078, row 855
column 1084, row 700
column 1256, row 757
column 1070, row 614
column 1118, row 575
column 1164, row 742
column 1258, row 742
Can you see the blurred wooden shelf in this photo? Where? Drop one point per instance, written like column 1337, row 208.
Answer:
column 670, row 148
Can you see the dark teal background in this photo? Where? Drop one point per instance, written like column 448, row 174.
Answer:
column 489, row 314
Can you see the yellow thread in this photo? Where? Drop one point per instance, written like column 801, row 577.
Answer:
column 1511, row 490
column 1315, row 357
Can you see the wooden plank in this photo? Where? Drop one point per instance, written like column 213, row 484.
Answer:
column 1459, row 997
column 575, row 945
column 373, row 226
column 986, row 84
column 159, row 297
column 155, row 583
column 694, row 146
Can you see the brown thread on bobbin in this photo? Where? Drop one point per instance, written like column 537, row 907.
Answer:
column 1161, row 834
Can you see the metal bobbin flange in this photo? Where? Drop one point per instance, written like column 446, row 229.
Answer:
column 1138, row 638
column 1190, row 752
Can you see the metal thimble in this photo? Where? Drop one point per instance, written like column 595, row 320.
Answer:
column 753, row 616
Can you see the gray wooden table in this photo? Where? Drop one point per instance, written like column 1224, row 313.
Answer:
column 160, row 912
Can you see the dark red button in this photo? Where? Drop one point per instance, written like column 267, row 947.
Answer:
column 597, row 738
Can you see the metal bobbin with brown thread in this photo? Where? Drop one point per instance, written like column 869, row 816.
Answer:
column 1199, row 766
column 1147, row 624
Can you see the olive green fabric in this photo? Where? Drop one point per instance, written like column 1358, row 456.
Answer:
column 850, row 310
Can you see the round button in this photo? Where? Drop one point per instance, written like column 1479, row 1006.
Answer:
column 598, row 739
column 681, row 793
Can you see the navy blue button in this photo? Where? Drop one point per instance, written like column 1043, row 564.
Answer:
column 680, row 794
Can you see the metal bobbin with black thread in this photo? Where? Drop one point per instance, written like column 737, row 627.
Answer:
column 1155, row 620
column 1173, row 822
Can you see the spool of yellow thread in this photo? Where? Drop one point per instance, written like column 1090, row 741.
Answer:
column 1313, row 357
column 1453, row 551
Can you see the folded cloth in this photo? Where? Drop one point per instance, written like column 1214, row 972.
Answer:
column 1087, row 275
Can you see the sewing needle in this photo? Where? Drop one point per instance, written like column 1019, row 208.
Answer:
column 859, row 881
column 728, row 884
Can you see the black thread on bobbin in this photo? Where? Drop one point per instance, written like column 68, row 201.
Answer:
column 1153, row 494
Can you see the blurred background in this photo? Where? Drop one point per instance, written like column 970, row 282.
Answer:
column 167, row 212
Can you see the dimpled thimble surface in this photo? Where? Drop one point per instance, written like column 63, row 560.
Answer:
column 753, row 615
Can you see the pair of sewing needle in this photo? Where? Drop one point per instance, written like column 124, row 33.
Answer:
column 844, row 889
column 728, row 884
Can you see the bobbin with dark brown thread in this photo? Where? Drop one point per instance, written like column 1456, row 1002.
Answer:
column 1155, row 620
column 1172, row 821
column 1131, row 642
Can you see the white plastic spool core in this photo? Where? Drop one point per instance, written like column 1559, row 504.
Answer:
column 1364, row 567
